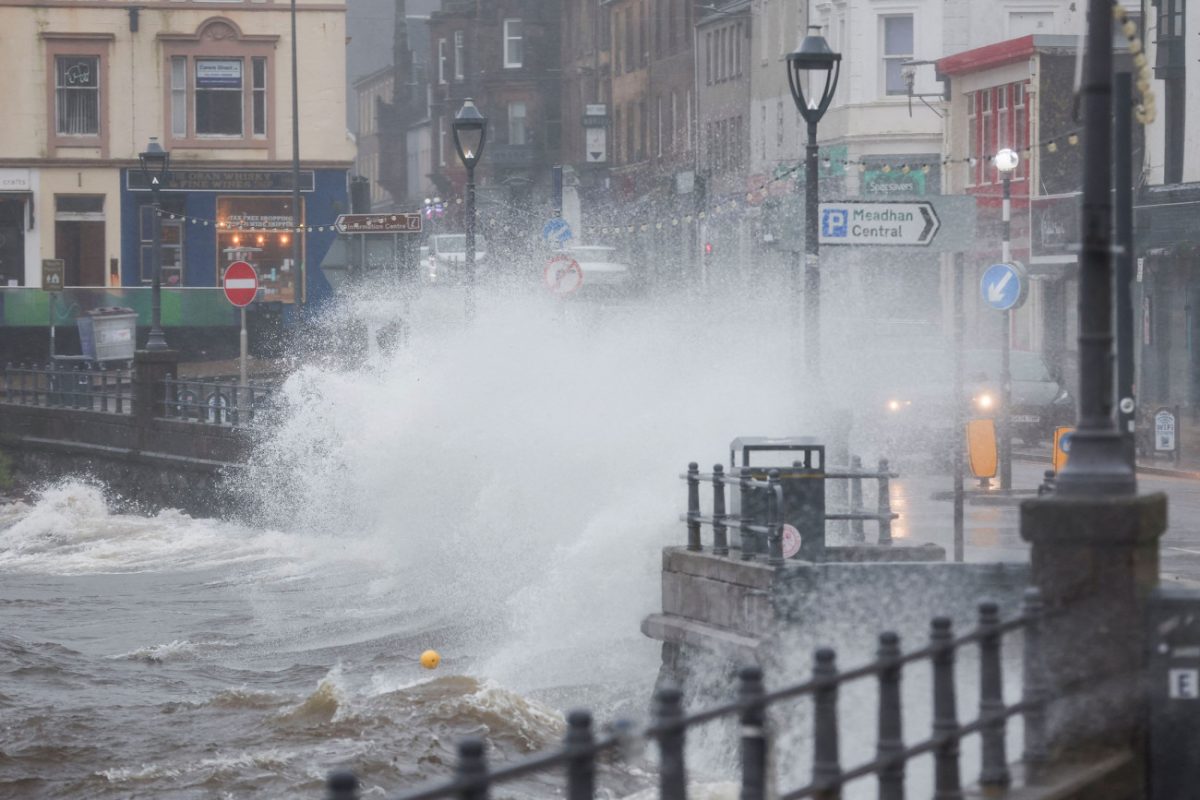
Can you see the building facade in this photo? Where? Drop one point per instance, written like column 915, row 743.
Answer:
column 212, row 84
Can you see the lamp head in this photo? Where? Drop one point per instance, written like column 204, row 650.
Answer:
column 470, row 133
column 1006, row 161
column 156, row 162
column 813, row 62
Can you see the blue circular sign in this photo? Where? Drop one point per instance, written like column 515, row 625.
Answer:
column 1064, row 443
column 557, row 231
column 1003, row 286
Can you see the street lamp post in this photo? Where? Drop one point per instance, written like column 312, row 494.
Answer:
column 470, row 135
column 1006, row 162
column 815, row 60
column 156, row 164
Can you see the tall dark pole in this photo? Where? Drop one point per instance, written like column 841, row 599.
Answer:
column 1123, row 157
column 156, row 340
column 470, row 226
column 1097, row 465
column 1005, row 427
column 812, row 252
column 297, row 272
column 960, row 324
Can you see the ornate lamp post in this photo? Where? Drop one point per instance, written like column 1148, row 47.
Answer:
column 470, row 135
column 156, row 164
column 815, row 63
column 1006, row 162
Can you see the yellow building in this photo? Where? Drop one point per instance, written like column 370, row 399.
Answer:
column 90, row 82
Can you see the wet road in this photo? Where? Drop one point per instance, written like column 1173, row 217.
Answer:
column 991, row 532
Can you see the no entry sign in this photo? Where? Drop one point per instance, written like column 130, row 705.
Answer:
column 240, row 284
column 563, row 275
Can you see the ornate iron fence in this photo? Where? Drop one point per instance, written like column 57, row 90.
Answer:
column 215, row 402
column 75, row 386
column 577, row 758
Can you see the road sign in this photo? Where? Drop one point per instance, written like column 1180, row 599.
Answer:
column 54, row 274
column 556, row 231
column 912, row 223
column 1003, row 286
column 378, row 223
column 240, row 284
column 1164, row 430
column 981, row 447
column 791, row 541
column 596, row 145
column 562, row 275
column 1062, row 448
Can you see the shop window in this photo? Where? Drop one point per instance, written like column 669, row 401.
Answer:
column 172, row 242
column 258, row 230
column 77, row 95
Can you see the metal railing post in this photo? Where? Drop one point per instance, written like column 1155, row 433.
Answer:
column 693, row 506
column 581, row 761
column 891, row 732
column 774, row 519
column 754, row 734
column 720, row 534
column 668, row 712
column 994, row 771
column 341, row 785
column 947, row 779
column 885, row 503
column 827, row 769
column 1034, row 682
column 856, row 500
column 472, row 770
column 748, row 545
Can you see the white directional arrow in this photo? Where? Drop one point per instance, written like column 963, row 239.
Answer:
column 996, row 290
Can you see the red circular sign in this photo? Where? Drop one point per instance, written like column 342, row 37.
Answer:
column 562, row 275
column 240, row 283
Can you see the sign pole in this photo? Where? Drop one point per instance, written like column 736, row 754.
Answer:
column 242, row 340
column 959, row 391
column 53, row 295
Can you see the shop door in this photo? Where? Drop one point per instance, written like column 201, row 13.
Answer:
column 12, row 241
column 79, row 239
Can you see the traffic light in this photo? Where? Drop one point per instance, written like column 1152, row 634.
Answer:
column 708, row 248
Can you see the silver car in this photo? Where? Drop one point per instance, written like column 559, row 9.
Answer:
column 603, row 272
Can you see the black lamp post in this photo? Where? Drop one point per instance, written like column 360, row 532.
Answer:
column 156, row 165
column 1006, row 162
column 470, row 135
column 1097, row 465
column 815, row 61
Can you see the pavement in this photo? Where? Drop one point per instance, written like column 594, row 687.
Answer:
column 1187, row 466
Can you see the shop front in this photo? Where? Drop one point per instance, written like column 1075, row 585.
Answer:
column 17, row 219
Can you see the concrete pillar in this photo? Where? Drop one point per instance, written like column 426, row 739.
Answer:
column 1095, row 560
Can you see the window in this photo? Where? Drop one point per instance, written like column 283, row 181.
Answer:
column 1020, row 139
column 514, row 46
column 258, row 71
column 516, row 123
column 77, row 95
column 630, row 53
column 1003, row 132
column 988, row 139
column 172, row 242
column 441, row 56
column 441, row 141
column 897, row 48
column 267, row 246
column 218, row 96
column 179, row 113
column 458, row 55
column 972, row 140
column 708, row 58
column 618, row 41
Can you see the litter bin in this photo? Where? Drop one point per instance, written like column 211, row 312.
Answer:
column 1174, row 693
column 802, row 480
column 108, row 333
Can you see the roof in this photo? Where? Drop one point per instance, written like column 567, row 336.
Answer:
column 1006, row 52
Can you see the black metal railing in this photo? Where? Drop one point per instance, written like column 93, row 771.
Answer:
column 765, row 536
column 670, row 726
column 73, row 386
column 215, row 401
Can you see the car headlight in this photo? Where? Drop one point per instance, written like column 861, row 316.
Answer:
column 985, row 401
column 896, row 405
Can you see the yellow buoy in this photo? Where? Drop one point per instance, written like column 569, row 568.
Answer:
column 430, row 659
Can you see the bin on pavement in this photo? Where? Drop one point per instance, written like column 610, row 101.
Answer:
column 801, row 465
column 108, row 333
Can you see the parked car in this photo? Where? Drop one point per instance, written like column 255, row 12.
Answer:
column 912, row 395
column 603, row 272
column 447, row 256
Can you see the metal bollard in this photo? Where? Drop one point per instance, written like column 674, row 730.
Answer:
column 1047, row 484
column 341, row 785
column 748, row 547
column 581, row 760
column 994, row 772
column 720, row 534
column 827, row 769
column 1034, row 682
column 472, row 770
column 885, row 503
column 891, row 732
column 774, row 519
column 856, row 500
column 693, row 506
column 668, row 712
column 947, row 778
column 754, row 734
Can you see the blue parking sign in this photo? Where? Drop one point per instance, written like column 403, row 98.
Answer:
column 835, row 223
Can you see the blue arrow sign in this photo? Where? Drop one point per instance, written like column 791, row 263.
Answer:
column 556, row 231
column 1064, row 443
column 1001, row 286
